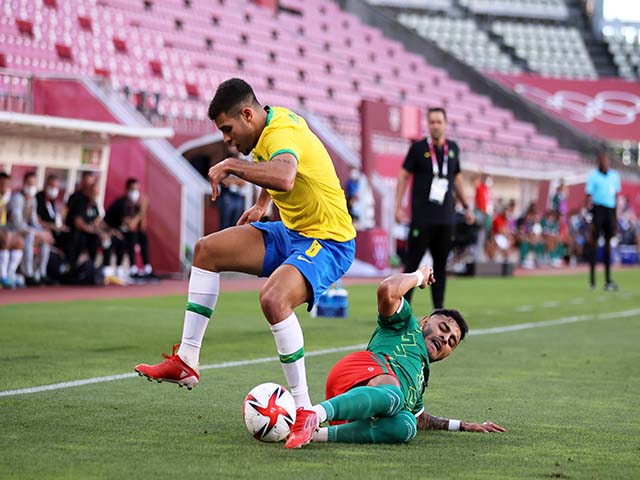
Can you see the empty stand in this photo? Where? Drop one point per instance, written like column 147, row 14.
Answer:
column 556, row 51
column 547, row 9
column 167, row 59
column 625, row 49
column 463, row 39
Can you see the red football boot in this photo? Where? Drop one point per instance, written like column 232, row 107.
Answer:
column 302, row 430
column 173, row 370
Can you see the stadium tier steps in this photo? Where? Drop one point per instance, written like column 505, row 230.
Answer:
column 168, row 56
column 625, row 49
column 438, row 5
column 551, row 50
column 532, row 9
column 463, row 39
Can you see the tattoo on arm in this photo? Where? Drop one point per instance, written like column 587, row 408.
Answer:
column 290, row 159
column 435, row 423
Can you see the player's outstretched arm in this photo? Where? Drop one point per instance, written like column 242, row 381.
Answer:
column 431, row 422
column 393, row 288
column 277, row 174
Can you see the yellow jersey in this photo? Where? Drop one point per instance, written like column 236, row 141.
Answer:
column 316, row 206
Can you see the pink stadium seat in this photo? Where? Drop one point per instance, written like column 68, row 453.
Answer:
column 144, row 50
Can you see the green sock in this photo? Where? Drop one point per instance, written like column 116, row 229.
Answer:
column 400, row 428
column 365, row 402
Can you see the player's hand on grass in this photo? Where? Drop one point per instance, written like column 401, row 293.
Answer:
column 254, row 214
column 217, row 174
column 429, row 279
column 485, row 427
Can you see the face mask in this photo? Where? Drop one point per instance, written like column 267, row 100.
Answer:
column 6, row 197
column 133, row 195
column 31, row 191
column 52, row 192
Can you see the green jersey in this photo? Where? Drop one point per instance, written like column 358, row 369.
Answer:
column 399, row 340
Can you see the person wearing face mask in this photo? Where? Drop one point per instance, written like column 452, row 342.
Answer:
column 48, row 215
column 11, row 244
column 127, row 217
column 23, row 219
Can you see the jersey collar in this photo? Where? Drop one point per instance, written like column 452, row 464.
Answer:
column 269, row 111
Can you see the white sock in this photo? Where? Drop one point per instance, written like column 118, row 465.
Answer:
column 14, row 262
column 147, row 269
column 321, row 412
column 45, row 251
column 204, row 287
column 321, row 435
column 4, row 263
column 290, row 345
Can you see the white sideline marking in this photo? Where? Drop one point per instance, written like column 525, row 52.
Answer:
column 525, row 308
column 327, row 351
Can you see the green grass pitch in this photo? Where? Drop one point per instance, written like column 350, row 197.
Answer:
column 567, row 394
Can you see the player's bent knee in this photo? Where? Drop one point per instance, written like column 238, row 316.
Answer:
column 410, row 425
column 405, row 429
column 17, row 243
column 273, row 305
column 396, row 398
column 204, row 254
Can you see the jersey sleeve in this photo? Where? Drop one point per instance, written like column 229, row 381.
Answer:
column 589, row 187
column 456, row 168
column 399, row 319
column 419, row 407
column 409, row 163
column 282, row 140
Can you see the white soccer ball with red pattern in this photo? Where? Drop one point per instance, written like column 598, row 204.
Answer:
column 269, row 411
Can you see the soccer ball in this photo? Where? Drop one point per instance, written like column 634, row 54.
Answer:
column 269, row 411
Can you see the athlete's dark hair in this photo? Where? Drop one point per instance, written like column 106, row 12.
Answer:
column 130, row 181
column 437, row 110
column 4, row 175
column 51, row 177
column 28, row 175
column 457, row 317
column 231, row 95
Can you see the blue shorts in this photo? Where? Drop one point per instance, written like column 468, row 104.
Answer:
column 321, row 262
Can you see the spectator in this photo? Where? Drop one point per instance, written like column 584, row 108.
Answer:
column 127, row 215
column 434, row 163
column 602, row 189
column 559, row 202
column 83, row 221
column 23, row 219
column 48, row 214
column 11, row 244
column 502, row 239
column 530, row 238
column 483, row 212
column 553, row 245
column 231, row 201
column 578, row 236
column 87, row 180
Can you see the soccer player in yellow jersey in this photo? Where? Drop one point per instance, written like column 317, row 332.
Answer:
column 311, row 248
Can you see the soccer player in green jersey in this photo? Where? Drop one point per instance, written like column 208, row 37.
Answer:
column 379, row 391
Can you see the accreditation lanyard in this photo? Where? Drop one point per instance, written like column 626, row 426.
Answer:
column 434, row 159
